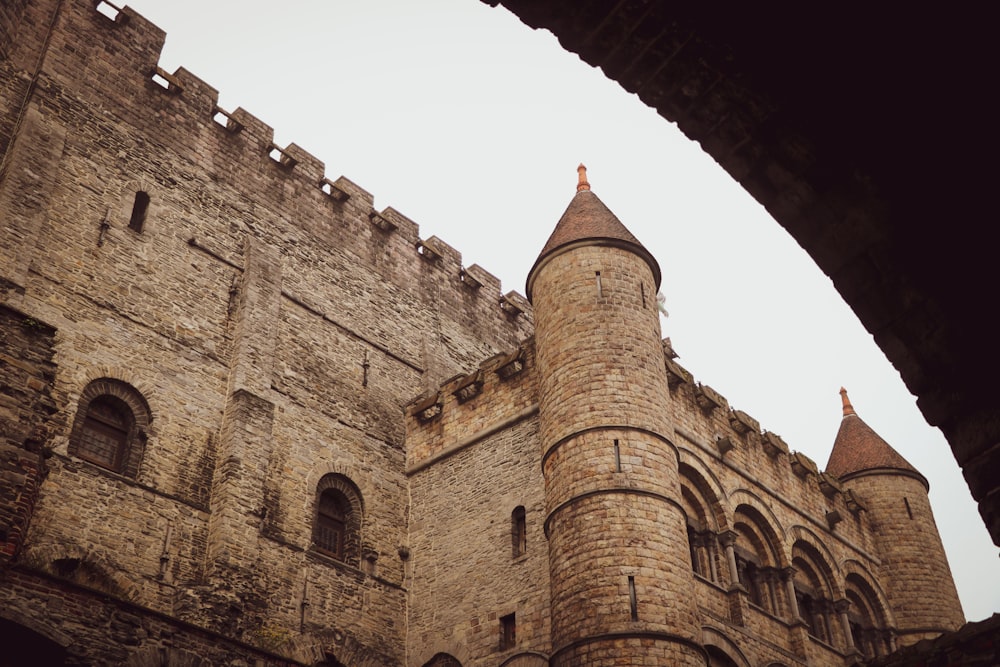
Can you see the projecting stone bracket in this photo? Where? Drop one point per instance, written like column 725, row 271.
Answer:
column 427, row 408
column 427, row 250
column 513, row 304
column 829, row 485
column 668, row 349
column 469, row 387
column 379, row 221
column 332, row 191
column 803, row 466
column 724, row 444
column 854, row 502
column 708, row 399
column 773, row 444
column 743, row 423
column 511, row 364
column 676, row 374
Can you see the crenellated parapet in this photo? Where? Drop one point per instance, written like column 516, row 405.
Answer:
column 218, row 170
column 470, row 406
column 704, row 418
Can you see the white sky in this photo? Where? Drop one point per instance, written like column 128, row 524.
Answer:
column 470, row 123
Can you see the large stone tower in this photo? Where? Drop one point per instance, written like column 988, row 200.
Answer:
column 618, row 561
column 915, row 569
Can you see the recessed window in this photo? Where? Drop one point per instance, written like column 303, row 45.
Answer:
column 508, row 632
column 111, row 426
column 139, row 208
column 337, row 522
column 518, row 531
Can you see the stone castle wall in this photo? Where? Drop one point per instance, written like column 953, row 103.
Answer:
column 281, row 332
column 275, row 323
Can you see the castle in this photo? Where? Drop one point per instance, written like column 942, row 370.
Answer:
column 245, row 418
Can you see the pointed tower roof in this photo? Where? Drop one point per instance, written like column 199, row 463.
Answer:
column 587, row 221
column 858, row 449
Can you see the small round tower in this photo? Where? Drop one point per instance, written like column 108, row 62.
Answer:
column 915, row 571
column 618, row 560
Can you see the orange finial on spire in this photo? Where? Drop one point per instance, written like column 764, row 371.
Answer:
column 848, row 408
column 582, row 183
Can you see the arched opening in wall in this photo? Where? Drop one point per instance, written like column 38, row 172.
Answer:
column 111, row 426
column 702, row 534
column 813, row 593
column 865, row 618
column 23, row 646
column 329, row 661
column 442, row 660
column 702, row 511
column 139, row 209
column 518, row 531
column 719, row 658
column 337, row 519
column 757, row 564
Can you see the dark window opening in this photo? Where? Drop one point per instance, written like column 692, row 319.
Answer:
column 139, row 209
column 618, row 457
column 909, row 511
column 104, row 436
column 508, row 632
column 331, row 523
column 633, row 603
column 518, row 531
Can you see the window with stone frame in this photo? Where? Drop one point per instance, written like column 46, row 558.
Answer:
column 866, row 618
column 337, row 519
column 111, row 426
column 508, row 632
column 812, row 591
column 518, row 531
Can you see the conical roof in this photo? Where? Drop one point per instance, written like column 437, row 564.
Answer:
column 588, row 221
column 859, row 449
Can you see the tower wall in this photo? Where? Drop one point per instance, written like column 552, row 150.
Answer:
column 915, row 570
column 620, row 578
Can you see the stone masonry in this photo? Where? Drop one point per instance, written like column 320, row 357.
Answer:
column 245, row 418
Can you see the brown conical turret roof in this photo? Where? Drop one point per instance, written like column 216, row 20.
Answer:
column 588, row 221
column 858, row 449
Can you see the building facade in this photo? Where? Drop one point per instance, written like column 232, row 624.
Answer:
column 245, row 418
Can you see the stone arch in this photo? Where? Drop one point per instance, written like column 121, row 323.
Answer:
column 805, row 536
column 722, row 651
column 708, row 485
column 111, row 426
column 759, row 558
column 169, row 656
column 338, row 515
column 85, row 566
column 705, row 519
column 868, row 613
column 443, row 660
column 813, row 582
column 333, row 647
column 854, row 569
column 526, row 659
column 456, row 650
column 748, row 498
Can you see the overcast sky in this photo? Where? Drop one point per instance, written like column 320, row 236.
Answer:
column 470, row 123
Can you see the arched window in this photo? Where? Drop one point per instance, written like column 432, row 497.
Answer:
column 813, row 594
column 865, row 618
column 518, row 531
column 443, row 660
column 111, row 426
column 337, row 520
column 757, row 564
column 699, row 505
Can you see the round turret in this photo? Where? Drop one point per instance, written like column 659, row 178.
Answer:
column 914, row 569
column 618, row 558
